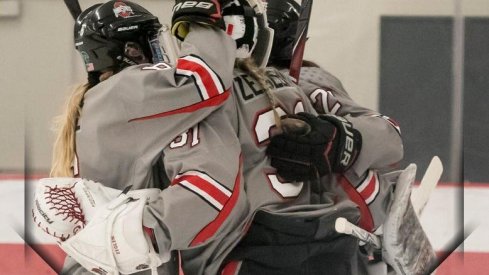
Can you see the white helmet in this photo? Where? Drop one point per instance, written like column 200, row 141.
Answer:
column 246, row 23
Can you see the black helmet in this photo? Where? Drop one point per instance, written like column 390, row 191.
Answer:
column 116, row 34
column 283, row 17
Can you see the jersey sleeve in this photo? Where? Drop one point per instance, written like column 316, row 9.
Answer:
column 381, row 139
column 128, row 119
column 201, row 78
column 206, row 198
column 382, row 145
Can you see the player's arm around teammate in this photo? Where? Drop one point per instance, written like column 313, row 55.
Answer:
column 356, row 141
column 120, row 122
column 372, row 181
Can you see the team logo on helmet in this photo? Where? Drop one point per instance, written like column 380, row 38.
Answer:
column 121, row 9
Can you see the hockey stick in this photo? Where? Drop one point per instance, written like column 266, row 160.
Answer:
column 421, row 195
column 74, row 7
column 343, row 226
column 300, row 40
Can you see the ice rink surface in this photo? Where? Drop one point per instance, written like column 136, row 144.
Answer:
column 448, row 211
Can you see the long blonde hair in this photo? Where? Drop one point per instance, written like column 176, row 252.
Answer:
column 64, row 149
column 249, row 66
column 65, row 126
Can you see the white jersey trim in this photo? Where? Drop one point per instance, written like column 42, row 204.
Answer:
column 369, row 188
column 208, row 82
column 210, row 190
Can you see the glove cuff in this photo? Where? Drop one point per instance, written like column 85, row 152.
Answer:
column 347, row 144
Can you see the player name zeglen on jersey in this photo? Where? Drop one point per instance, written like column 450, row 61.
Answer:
column 248, row 88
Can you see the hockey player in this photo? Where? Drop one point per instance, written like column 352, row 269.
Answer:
column 206, row 209
column 372, row 182
column 381, row 140
column 350, row 174
column 135, row 105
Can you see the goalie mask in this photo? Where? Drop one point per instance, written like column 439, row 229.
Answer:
column 283, row 17
column 246, row 23
column 117, row 34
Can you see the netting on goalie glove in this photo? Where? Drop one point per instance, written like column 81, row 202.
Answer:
column 64, row 202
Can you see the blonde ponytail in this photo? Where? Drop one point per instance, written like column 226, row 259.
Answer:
column 250, row 67
column 65, row 125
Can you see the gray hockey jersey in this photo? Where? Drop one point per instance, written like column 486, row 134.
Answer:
column 382, row 146
column 127, row 121
column 253, row 121
column 212, row 145
column 363, row 193
column 123, row 125
column 194, row 195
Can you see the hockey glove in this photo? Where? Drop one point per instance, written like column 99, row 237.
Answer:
column 115, row 241
column 64, row 206
column 330, row 146
column 205, row 12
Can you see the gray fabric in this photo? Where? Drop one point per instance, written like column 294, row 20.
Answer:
column 186, row 220
column 382, row 145
column 118, row 149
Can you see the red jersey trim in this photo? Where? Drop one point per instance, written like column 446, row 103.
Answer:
column 231, row 268
column 213, row 192
column 392, row 122
column 211, row 229
column 215, row 101
column 369, row 188
column 366, row 220
column 207, row 81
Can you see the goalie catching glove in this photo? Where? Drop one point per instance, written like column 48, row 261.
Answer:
column 99, row 227
column 63, row 206
column 204, row 12
column 330, row 145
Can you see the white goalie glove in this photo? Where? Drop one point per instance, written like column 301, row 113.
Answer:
column 63, row 206
column 99, row 227
column 405, row 245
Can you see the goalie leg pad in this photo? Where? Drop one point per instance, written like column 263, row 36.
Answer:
column 405, row 244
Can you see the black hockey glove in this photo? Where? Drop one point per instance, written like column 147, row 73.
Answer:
column 206, row 12
column 331, row 145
